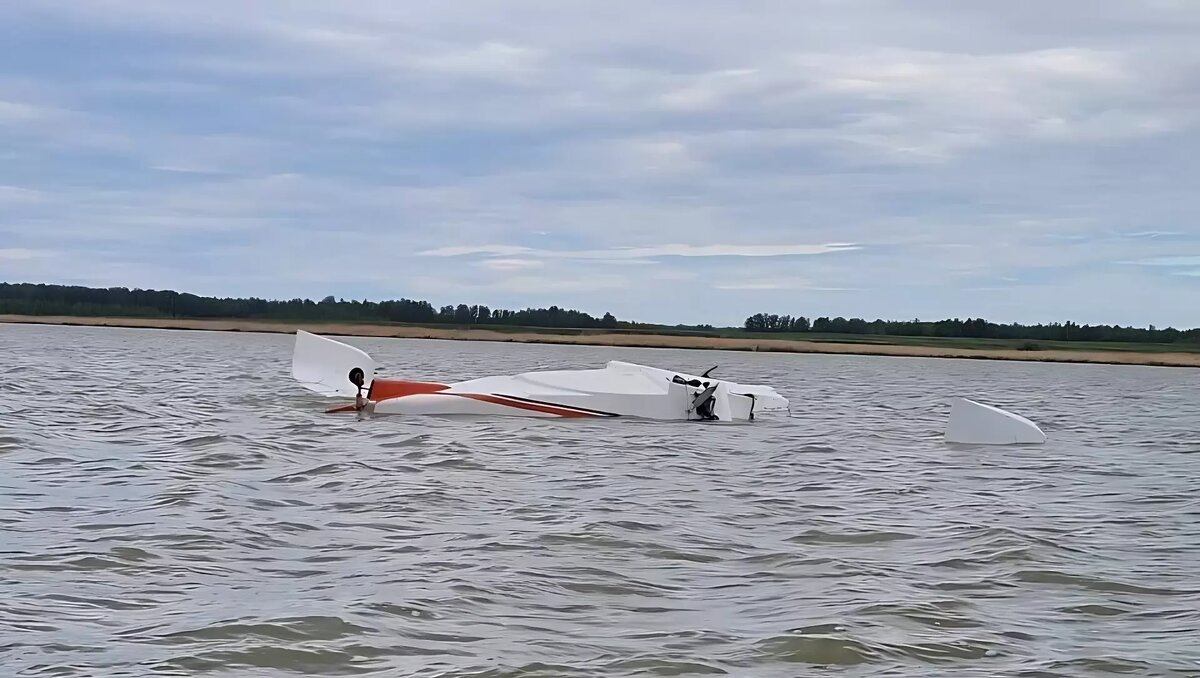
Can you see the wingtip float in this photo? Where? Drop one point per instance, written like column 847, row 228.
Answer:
column 619, row 389
column 975, row 423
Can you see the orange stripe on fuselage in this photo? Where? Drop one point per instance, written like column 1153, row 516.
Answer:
column 383, row 389
column 387, row 389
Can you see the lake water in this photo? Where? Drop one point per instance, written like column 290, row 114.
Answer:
column 172, row 504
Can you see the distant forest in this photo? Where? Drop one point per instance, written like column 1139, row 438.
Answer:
column 977, row 328
column 39, row 299
column 31, row 299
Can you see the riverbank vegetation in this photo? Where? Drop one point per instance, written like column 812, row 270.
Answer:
column 33, row 300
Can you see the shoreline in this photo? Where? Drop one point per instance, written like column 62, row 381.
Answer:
column 1102, row 357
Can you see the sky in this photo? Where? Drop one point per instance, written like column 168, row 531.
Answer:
column 674, row 161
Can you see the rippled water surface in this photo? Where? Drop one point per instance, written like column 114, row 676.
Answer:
column 171, row 504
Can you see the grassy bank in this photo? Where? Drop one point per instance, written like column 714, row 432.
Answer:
column 931, row 347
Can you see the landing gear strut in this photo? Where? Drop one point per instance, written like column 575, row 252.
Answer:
column 356, row 378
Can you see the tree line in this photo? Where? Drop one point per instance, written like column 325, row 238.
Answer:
column 40, row 299
column 68, row 300
column 977, row 328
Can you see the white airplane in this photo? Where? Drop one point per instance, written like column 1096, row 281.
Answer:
column 619, row 389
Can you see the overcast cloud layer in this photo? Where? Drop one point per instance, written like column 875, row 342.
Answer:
column 670, row 161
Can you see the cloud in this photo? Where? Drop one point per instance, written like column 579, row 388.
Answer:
column 511, row 264
column 543, row 288
column 777, row 284
column 651, row 252
column 1169, row 261
column 14, row 112
column 903, row 156
column 21, row 254
column 494, row 250
column 1187, row 266
column 1155, row 234
column 28, row 117
column 489, row 60
column 15, row 195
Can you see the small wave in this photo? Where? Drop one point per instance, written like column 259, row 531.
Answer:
column 940, row 614
column 1091, row 583
column 310, row 628
column 819, row 649
column 654, row 666
column 528, row 670
column 866, row 537
column 272, row 657
column 101, row 603
column 1095, row 610
column 199, row 442
column 1110, row 664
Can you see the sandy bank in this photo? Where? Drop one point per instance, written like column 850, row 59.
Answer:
column 629, row 340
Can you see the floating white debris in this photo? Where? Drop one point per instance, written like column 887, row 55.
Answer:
column 979, row 424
